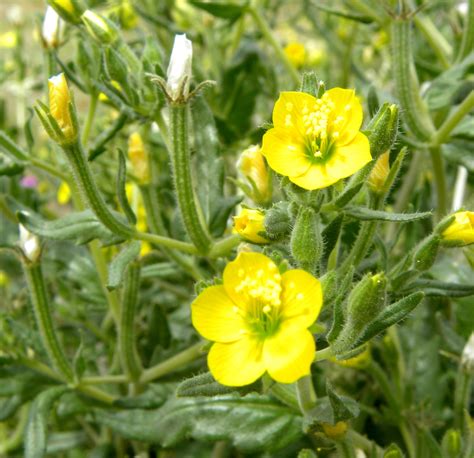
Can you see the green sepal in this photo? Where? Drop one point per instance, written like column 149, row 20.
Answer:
column 277, row 221
column 383, row 129
column 120, row 263
column 373, row 103
column 393, row 451
column 121, row 192
column 74, row 16
column 426, row 253
column 311, row 84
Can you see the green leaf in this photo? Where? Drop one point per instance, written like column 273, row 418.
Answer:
column 9, row 166
column 344, row 14
column 10, row 147
column 367, row 214
column 37, row 427
column 80, row 227
column 121, row 192
column 251, row 423
column 347, row 195
column 119, row 264
column 330, row 236
column 9, row 406
column 154, row 396
column 220, row 9
column 440, row 288
column 459, row 152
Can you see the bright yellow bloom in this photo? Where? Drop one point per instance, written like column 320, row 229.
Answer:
column 252, row 165
column 379, row 173
column 138, row 156
column 64, row 193
column 59, row 105
column 316, row 142
column 8, row 39
column 461, row 231
column 259, row 321
column 249, row 224
column 136, row 202
column 296, row 54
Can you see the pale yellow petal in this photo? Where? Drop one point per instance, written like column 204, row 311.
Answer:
column 238, row 363
column 289, row 353
column 246, row 268
column 350, row 158
column 290, row 108
column 348, row 107
column 316, row 177
column 285, row 152
column 216, row 317
column 302, row 298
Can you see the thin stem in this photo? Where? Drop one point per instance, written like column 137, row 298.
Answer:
column 440, row 182
column 306, row 395
column 44, row 320
column 323, row 354
column 104, row 379
column 40, row 164
column 268, row 35
column 175, row 362
column 225, row 246
column 185, row 247
column 90, row 118
column 467, row 42
column 360, row 441
column 453, row 120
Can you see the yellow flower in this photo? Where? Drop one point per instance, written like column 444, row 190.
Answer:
column 64, row 193
column 138, row 156
column 379, row 173
column 461, row 231
column 8, row 39
column 249, row 224
column 252, row 165
column 59, row 105
column 259, row 321
column 296, row 54
column 316, row 142
column 360, row 361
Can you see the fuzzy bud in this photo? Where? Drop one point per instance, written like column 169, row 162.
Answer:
column 249, row 225
column 29, row 244
column 138, row 156
column 383, row 129
column 277, row 221
column 180, row 68
column 100, row 28
column 379, row 174
column 460, row 232
column 69, row 10
column 52, row 28
column 426, row 253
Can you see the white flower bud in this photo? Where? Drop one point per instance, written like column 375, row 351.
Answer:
column 179, row 68
column 467, row 357
column 52, row 28
column 29, row 244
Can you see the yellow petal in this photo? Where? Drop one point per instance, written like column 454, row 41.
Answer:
column 316, row 177
column 238, row 363
column 461, row 229
column 347, row 105
column 285, row 152
column 350, row 158
column 248, row 266
column 302, row 298
column 289, row 353
column 215, row 316
column 290, row 108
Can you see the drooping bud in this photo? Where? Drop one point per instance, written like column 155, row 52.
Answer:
column 383, row 129
column 277, row 221
column 138, row 156
column 426, row 253
column 100, row 28
column 180, row 68
column 460, row 232
column 306, row 239
column 249, row 225
column 29, row 244
column 253, row 167
column 379, row 173
column 52, row 28
column 69, row 10
column 467, row 357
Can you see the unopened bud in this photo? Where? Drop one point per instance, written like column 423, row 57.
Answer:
column 69, row 10
column 138, row 156
column 249, row 225
column 383, row 129
column 100, row 28
column 426, row 253
column 29, row 244
column 180, row 68
column 379, row 173
column 451, row 443
column 277, row 221
column 467, row 357
column 52, row 28
column 460, row 231
column 336, row 431
column 253, row 167
column 393, row 452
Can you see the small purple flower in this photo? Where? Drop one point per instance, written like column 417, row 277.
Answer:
column 29, row 181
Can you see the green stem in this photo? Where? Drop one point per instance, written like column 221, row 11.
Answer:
column 462, row 395
column 439, row 182
column 306, row 395
column 453, row 120
column 90, row 118
column 128, row 351
column 415, row 110
column 173, row 363
column 191, row 212
column 323, row 354
column 40, row 164
column 362, row 442
column 166, row 241
column 467, row 42
column 268, row 35
column 86, row 183
column 16, row 437
column 42, row 312
column 104, row 379
column 225, row 246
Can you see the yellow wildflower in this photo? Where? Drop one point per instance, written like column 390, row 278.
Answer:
column 64, row 193
column 461, row 231
column 296, row 54
column 316, row 142
column 8, row 39
column 59, row 105
column 138, row 156
column 249, row 224
column 259, row 321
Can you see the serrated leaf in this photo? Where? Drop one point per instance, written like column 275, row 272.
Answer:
column 367, row 214
column 251, row 423
column 119, row 264
column 36, row 431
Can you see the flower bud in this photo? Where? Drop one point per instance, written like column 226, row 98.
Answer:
column 52, row 28
column 467, row 357
column 100, row 28
column 180, row 68
column 336, row 431
column 379, row 173
column 461, row 231
column 383, row 129
column 249, row 224
column 426, row 253
column 296, row 54
column 29, row 244
column 253, row 167
column 393, row 452
column 360, row 361
column 69, row 10
column 277, row 221
column 138, row 156
column 60, row 105
column 451, row 443
column 306, row 239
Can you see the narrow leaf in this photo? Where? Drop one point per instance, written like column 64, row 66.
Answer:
column 121, row 193
column 367, row 214
column 119, row 264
